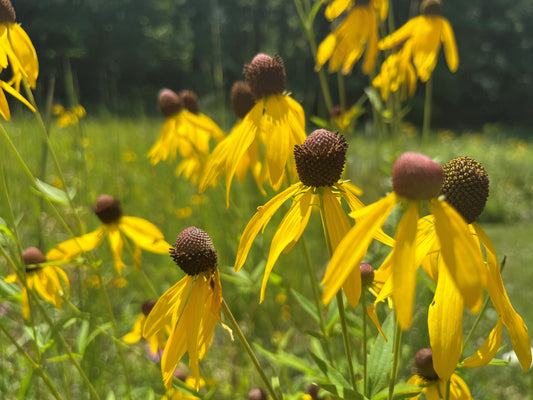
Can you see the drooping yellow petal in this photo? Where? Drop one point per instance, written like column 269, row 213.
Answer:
column 169, row 304
column 136, row 331
column 336, row 8
column 23, row 57
column 325, row 50
column 518, row 331
column 426, row 45
column 352, row 249
column 459, row 389
column 404, row 268
column 400, row 35
column 259, row 221
column 4, row 106
column 445, row 324
column 450, row 46
column 289, row 231
column 489, row 349
column 117, row 244
column 72, row 248
column 16, row 95
column 371, row 311
column 144, row 234
column 461, row 253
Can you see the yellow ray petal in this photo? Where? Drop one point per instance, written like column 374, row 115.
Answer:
column 371, row 311
column 352, row 249
column 450, row 46
column 259, row 220
column 325, row 50
column 445, row 324
column 70, row 249
column 460, row 252
column 116, row 243
column 144, row 234
column 489, row 349
column 289, row 230
column 335, row 8
column 404, row 268
column 518, row 331
column 400, row 35
column 136, row 331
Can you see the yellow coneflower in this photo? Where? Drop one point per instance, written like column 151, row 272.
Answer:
column 416, row 181
column 49, row 281
column 191, row 307
column 184, row 131
column 276, row 122
column 115, row 227
column 320, row 163
column 432, row 385
column 356, row 34
column 423, row 36
column 156, row 341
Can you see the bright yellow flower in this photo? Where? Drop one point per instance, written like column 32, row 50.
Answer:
column 416, row 180
column 157, row 340
column 358, row 33
column 273, row 126
column 49, row 281
column 116, row 227
column 423, row 36
column 184, row 131
column 432, row 385
column 191, row 307
column 397, row 74
column 320, row 162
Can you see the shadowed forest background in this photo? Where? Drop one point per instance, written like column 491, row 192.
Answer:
column 122, row 52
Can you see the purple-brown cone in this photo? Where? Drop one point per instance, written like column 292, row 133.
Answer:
column 424, row 364
column 194, row 252
column 320, row 159
column 265, row 75
column 147, row 306
column 416, row 177
column 7, row 12
column 169, row 102
column 107, row 209
column 190, row 100
column 32, row 255
column 242, row 98
column 367, row 274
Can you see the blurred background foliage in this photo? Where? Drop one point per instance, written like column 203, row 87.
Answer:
column 121, row 52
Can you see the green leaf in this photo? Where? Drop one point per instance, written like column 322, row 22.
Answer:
column 320, row 122
column 342, row 392
column 401, row 391
column 373, row 97
column 52, row 193
column 380, row 358
column 332, row 374
column 308, row 307
column 287, row 359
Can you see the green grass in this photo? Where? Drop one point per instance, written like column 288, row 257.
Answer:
column 109, row 156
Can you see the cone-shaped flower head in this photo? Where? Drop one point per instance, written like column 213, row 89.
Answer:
column 424, row 364
column 169, row 102
column 416, row 177
column 7, row 12
column 242, row 99
column 32, row 255
column 147, row 306
column 367, row 274
column 431, row 7
column 466, row 187
column 265, row 75
column 320, row 159
column 108, row 209
column 190, row 100
column 194, row 252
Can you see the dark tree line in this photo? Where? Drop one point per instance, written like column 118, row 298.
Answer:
column 121, row 52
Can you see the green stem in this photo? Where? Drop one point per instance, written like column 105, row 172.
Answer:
column 447, row 393
column 365, row 382
column 395, row 359
column 427, row 111
column 308, row 28
column 340, row 301
column 115, row 330
column 248, row 349
column 34, row 365
column 316, row 297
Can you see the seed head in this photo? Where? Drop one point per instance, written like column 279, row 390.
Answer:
column 431, row 8
column 147, row 306
column 321, row 157
column 424, row 364
column 466, row 187
column 190, row 101
column 169, row 102
column 257, row 394
column 416, row 177
column 7, row 12
column 265, row 75
column 367, row 274
column 194, row 252
column 242, row 99
column 32, row 255
column 108, row 209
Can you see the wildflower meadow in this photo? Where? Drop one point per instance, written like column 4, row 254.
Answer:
column 345, row 242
